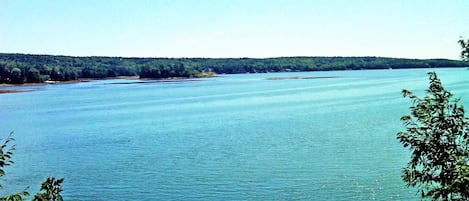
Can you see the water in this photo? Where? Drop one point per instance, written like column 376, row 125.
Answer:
column 233, row 137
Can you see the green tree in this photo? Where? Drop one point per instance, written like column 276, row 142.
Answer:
column 16, row 76
column 33, row 76
column 437, row 136
column 50, row 189
column 464, row 49
column 4, row 73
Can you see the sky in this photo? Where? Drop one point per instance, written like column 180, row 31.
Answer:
column 419, row 29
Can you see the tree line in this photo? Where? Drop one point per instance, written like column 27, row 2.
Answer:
column 27, row 68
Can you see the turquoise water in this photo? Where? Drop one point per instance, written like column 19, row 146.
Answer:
column 233, row 137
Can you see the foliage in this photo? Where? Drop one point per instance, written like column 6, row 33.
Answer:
column 21, row 68
column 51, row 187
column 6, row 152
column 464, row 49
column 437, row 136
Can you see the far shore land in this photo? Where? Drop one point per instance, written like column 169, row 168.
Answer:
column 34, row 69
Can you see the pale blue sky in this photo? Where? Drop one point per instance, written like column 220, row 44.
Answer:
column 234, row 28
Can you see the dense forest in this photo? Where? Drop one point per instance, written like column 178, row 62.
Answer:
column 27, row 68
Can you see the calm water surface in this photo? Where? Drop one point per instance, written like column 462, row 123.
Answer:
column 233, row 137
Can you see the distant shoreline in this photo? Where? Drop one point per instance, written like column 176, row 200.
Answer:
column 27, row 68
column 44, row 83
